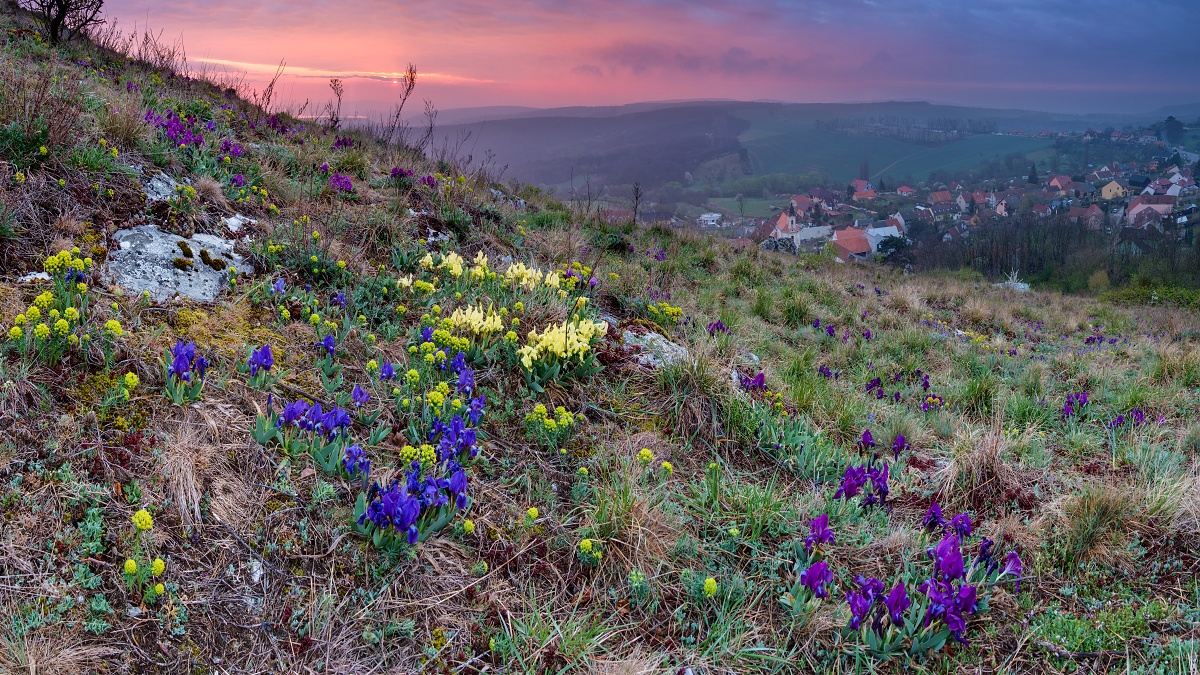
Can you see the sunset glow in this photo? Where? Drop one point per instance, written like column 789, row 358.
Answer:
column 1051, row 54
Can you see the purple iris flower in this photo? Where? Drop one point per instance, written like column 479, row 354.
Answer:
column 340, row 182
column 867, row 335
column 593, row 282
column 238, row 181
column 1138, row 417
column 428, row 181
column 328, row 344
column 947, row 558
column 340, row 300
column 852, row 482
column 386, row 371
column 458, row 487
column 261, row 359
column 816, row 577
column 816, row 323
column 874, row 384
column 755, row 383
column 359, row 396
column 717, row 327
column 818, row 532
column 933, row 517
column 1012, row 567
column 868, row 441
column 860, row 606
column 183, row 361
column 961, row 524
column 277, row 288
column 899, row 445
column 458, row 363
column 466, row 381
column 872, row 588
column 427, row 334
column 356, row 461
column 1117, row 421
column 897, row 603
column 879, row 482
column 829, row 330
column 475, row 411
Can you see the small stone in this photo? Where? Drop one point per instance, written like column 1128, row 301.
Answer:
column 656, row 350
column 144, row 260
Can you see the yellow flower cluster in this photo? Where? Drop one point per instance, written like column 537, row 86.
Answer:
column 479, row 270
column 562, row 419
column 64, row 261
column 645, row 456
column 158, row 567
column 663, row 311
column 529, row 278
column 425, row 454
column 710, row 587
column 476, row 320
column 142, row 520
column 572, row 339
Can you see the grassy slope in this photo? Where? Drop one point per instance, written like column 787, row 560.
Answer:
column 264, row 574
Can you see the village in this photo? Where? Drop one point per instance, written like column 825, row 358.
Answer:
column 1142, row 206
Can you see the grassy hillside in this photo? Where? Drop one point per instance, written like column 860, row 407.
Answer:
column 839, row 468
column 655, row 144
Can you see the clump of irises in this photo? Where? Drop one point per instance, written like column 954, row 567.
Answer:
column 917, row 611
column 1074, row 405
column 184, row 372
column 259, row 368
column 304, row 428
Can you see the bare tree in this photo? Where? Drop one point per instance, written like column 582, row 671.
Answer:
column 394, row 128
column 637, row 199
column 67, row 17
column 334, row 110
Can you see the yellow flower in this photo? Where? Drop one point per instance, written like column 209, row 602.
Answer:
column 316, row 234
column 582, row 471
column 42, row 331
column 72, row 314
column 43, row 150
column 469, row 526
column 14, row 333
column 668, row 468
column 33, row 313
column 130, row 566
column 158, row 567
column 159, row 589
column 142, row 520
column 645, row 456
column 585, row 545
column 19, row 177
column 131, row 380
column 532, row 513
column 61, row 326
column 412, row 376
column 314, row 318
column 341, row 264
column 113, row 327
column 710, row 587
column 20, row 320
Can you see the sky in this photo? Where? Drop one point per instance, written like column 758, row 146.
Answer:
column 1053, row 55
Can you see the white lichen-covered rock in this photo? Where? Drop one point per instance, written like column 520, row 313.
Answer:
column 159, row 188
column 655, row 350
column 144, row 259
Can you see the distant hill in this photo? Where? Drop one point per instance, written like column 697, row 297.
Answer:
column 657, row 142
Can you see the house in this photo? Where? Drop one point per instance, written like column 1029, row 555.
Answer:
column 802, row 204
column 1092, row 216
column 851, row 243
column 1113, row 190
column 1135, row 242
column 1138, row 181
column 1162, row 205
column 943, row 210
column 964, row 201
column 876, row 235
column 706, row 219
column 863, row 195
column 1040, row 210
column 941, row 196
column 823, row 196
column 861, row 185
column 1061, row 182
column 905, row 191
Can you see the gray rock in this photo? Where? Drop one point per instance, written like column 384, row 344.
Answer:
column 160, row 188
column 33, row 278
column 144, row 260
column 237, row 221
column 656, row 350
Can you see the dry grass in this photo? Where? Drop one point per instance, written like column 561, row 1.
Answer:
column 52, row 653
column 978, row 476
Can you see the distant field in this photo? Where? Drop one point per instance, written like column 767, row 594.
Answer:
column 755, row 208
column 779, row 144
